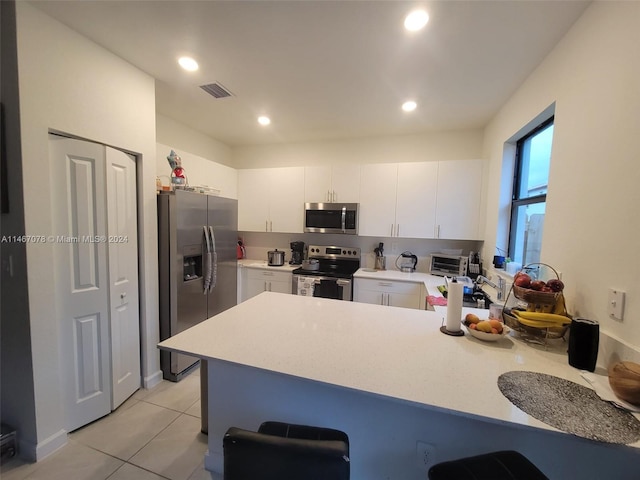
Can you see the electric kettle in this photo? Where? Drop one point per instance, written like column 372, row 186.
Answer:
column 409, row 262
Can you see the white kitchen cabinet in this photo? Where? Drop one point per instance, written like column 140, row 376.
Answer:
column 390, row 293
column 458, row 201
column 378, row 200
column 338, row 183
column 262, row 280
column 399, row 200
column 421, row 200
column 271, row 200
column 416, row 199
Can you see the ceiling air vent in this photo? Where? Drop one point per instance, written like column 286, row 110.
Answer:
column 216, row 90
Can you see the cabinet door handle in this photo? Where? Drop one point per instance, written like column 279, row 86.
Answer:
column 388, row 299
column 385, row 284
column 382, row 299
column 270, row 225
column 398, row 230
column 328, row 195
column 437, row 231
column 392, row 229
column 266, row 225
column 334, row 196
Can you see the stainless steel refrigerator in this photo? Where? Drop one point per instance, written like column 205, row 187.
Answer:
column 197, row 239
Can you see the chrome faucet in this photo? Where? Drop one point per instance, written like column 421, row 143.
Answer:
column 499, row 287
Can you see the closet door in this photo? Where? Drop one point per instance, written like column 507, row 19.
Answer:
column 95, row 253
column 82, row 284
column 122, row 247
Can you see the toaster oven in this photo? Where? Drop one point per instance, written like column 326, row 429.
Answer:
column 448, row 265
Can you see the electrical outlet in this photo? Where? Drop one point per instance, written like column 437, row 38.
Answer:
column 394, row 247
column 425, row 455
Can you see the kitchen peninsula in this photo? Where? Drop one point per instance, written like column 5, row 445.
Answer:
column 389, row 379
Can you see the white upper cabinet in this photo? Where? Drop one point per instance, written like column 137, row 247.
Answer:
column 271, row 200
column 421, row 200
column 407, row 200
column 416, row 199
column 338, row 183
column 398, row 200
column 378, row 190
column 458, row 203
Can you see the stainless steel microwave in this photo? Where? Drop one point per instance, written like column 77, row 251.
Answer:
column 447, row 265
column 331, row 218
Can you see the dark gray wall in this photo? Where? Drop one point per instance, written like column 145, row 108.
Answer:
column 17, row 407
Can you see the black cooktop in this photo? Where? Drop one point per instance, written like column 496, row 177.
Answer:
column 328, row 269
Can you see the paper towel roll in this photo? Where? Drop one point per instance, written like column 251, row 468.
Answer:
column 454, row 306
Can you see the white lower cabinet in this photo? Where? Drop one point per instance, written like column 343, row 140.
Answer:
column 259, row 280
column 389, row 293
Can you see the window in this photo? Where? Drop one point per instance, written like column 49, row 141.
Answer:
column 533, row 155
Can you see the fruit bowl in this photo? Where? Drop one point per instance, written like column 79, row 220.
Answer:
column 484, row 336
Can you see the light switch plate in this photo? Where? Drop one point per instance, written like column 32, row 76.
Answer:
column 616, row 304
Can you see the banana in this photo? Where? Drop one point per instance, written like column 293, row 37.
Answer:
column 549, row 317
column 540, row 319
column 559, row 308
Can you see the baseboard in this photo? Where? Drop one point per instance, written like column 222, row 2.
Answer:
column 36, row 452
column 214, row 462
column 152, row 380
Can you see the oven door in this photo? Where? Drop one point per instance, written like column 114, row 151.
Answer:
column 323, row 287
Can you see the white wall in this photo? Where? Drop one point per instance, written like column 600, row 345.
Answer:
column 592, row 223
column 70, row 84
column 458, row 145
column 186, row 139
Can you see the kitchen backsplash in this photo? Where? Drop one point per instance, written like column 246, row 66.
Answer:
column 258, row 244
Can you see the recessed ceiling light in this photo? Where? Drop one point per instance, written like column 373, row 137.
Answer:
column 409, row 106
column 416, row 20
column 263, row 120
column 188, row 64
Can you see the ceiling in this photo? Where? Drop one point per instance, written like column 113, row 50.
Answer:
column 326, row 69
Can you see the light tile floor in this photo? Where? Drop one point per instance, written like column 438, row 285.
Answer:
column 154, row 435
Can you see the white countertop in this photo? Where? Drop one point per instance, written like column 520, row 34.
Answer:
column 396, row 275
column 264, row 265
column 394, row 352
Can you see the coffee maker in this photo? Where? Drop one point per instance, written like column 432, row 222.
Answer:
column 297, row 253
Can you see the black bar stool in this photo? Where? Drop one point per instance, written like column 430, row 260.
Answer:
column 503, row 465
column 280, row 451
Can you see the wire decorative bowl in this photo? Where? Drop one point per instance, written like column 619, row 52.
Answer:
column 536, row 301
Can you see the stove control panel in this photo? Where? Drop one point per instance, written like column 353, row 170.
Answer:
column 323, row 251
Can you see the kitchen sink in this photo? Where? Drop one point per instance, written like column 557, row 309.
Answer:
column 471, row 300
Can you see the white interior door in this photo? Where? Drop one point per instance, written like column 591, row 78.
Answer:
column 122, row 243
column 80, row 258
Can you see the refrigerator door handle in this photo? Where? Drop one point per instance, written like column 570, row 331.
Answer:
column 214, row 260
column 208, row 260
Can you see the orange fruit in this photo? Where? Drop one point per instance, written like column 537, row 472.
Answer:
column 497, row 325
column 472, row 318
